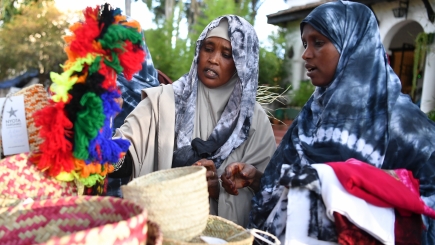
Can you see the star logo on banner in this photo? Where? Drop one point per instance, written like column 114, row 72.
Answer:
column 12, row 112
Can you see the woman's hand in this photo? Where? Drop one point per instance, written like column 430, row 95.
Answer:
column 212, row 178
column 239, row 175
column 119, row 101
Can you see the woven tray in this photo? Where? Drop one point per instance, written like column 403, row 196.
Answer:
column 176, row 199
column 220, row 228
column 74, row 220
column 20, row 179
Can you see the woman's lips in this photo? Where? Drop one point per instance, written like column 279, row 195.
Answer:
column 310, row 69
column 311, row 72
column 209, row 73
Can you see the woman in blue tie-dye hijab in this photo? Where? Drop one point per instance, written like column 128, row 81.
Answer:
column 359, row 113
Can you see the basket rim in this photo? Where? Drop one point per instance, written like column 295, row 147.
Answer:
column 194, row 170
column 220, row 219
column 83, row 200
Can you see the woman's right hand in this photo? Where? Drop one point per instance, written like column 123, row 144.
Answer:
column 239, row 175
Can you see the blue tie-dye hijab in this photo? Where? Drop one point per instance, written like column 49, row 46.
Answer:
column 361, row 114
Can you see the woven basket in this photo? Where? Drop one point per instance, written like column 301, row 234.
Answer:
column 74, row 220
column 35, row 98
column 220, row 228
column 176, row 199
column 20, row 179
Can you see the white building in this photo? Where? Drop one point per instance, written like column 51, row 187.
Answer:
column 398, row 34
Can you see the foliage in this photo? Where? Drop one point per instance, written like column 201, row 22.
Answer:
column 272, row 67
column 10, row 8
column 300, row 96
column 431, row 115
column 421, row 48
column 171, row 58
column 33, row 40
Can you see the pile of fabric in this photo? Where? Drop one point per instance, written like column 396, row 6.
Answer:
column 365, row 204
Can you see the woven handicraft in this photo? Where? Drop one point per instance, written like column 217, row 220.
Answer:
column 176, row 200
column 76, row 124
column 35, row 98
column 74, row 220
column 20, row 179
column 220, row 228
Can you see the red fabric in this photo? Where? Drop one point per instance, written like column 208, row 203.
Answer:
column 350, row 234
column 407, row 231
column 379, row 188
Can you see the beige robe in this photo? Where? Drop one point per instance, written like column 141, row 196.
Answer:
column 152, row 146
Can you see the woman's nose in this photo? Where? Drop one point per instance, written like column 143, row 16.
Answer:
column 307, row 54
column 213, row 58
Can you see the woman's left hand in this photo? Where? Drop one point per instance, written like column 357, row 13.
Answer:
column 212, row 178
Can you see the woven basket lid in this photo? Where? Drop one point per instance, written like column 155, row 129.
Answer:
column 74, row 220
column 20, row 179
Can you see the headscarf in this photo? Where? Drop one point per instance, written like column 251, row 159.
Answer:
column 233, row 126
column 131, row 90
column 361, row 114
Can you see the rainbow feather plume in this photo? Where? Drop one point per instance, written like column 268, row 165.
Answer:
column 76, row 125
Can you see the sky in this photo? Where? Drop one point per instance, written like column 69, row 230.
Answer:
column 139, row 12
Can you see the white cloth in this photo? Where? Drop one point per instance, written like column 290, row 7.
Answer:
column 376, row 221
column 298, row 219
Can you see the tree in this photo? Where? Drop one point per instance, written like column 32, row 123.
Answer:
column 272, row 70
column 33, row 40
column 10, row 8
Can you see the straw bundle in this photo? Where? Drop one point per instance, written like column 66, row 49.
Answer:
column 176, row 199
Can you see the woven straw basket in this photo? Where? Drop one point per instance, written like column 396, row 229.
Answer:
column 220, row 228
column 20, row 179
column 35, row 98
column 74, row 220
column 176, row 199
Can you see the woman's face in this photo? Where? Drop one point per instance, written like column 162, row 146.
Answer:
column 216, row 65
column 320, row 55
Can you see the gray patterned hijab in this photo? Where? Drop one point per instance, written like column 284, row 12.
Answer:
column 361, row 114
column 232, row 128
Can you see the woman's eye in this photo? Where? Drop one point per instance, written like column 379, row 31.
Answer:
column 226, row 56
column 318, row 43
column 304, row 44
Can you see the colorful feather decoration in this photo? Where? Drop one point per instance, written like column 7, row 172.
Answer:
column 76, row 125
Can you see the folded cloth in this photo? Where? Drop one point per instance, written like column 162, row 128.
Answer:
column 350, row 234
column 298, row 218
column 378, row 222
column 407, row 231
column 380, row 188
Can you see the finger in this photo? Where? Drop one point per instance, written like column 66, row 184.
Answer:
column 227, row 182
column 209, row 164
column 231, row 170
column 197, row 163
column 211, row 174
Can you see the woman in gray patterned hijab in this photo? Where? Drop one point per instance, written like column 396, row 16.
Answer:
column 209, row 116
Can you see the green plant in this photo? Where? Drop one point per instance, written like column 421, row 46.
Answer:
column 422, row 43
column 431, row 115
column 301, row 95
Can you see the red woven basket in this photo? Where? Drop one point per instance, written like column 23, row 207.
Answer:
column 74, row 220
